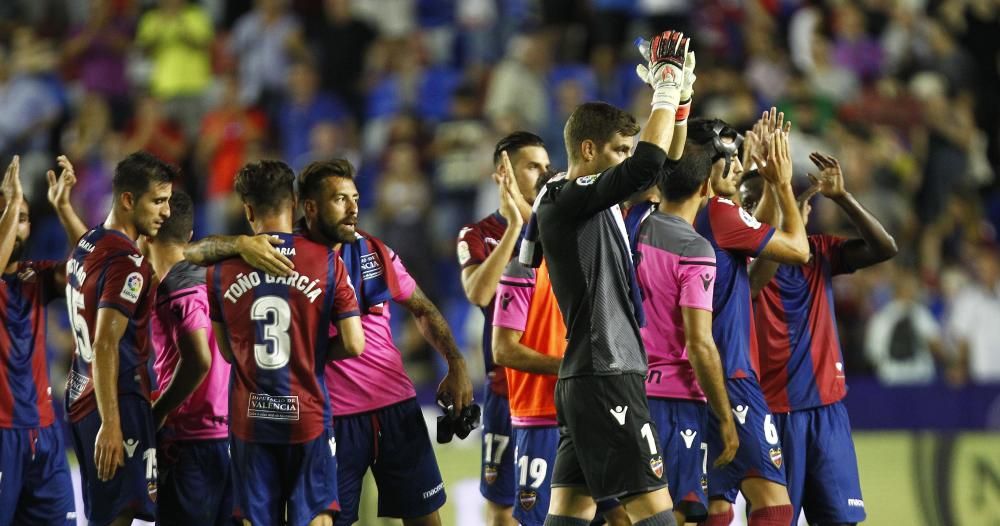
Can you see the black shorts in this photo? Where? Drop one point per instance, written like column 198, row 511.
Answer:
column 607, row 440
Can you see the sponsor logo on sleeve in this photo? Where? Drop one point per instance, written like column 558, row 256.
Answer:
column 750, row 220
column 505, row 300
column 463, row 253
column 587, row 180
column 136, row 259
column 706, row 281
column 132, row 287
column 371, row 268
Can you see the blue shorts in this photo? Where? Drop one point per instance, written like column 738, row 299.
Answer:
column 497, row 483
column 681, row 426
column 269, row 479
column 535, row 454
column 195, row 483
column 393, row 442
column 821, row 463
column 35, row 488
column 760, row 454
column 133, row 488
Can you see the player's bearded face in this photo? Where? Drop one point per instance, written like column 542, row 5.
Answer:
column 152, row 209
column 338, row 210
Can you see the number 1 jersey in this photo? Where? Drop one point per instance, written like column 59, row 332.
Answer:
column 106, row 270
column 278, row 330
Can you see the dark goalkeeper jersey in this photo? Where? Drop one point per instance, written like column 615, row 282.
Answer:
column 583, row 237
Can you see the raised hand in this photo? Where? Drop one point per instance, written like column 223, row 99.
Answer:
column 665, row 68
column 777, row 170
column 509, row 192
column 830, row 179
column 59, row 188
column 259, row 252
column 11, row 186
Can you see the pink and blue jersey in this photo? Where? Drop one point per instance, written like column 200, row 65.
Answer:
column 377, row 378
column 801, row 363
column 25, row 394
column 736, row 236
column 676, row 270
column 106, row 270
column 181, row 307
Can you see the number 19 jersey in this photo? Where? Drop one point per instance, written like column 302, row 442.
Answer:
column 106, row 270
column 278, row 332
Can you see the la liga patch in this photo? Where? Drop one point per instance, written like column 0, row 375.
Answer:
column 132, row 287
column 587, row 180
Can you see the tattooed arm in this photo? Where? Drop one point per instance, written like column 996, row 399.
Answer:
column 258, row 251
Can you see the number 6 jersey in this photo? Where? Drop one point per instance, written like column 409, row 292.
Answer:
column 106, row 270
column 278, row 330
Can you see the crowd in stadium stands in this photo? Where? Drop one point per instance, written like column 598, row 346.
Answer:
column 416, row 93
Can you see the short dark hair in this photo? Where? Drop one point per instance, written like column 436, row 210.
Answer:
column 702, row 130
column 138, row 172
column 514, row 142
column 266, row 184
column 314, row 173
column 598, row 122
column 680, row 181
column 177, row 228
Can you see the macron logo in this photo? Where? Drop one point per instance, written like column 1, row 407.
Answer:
column 688, row 436
column 130, row 446
column 136, row 259
column 741, row 413
column 619, row 413
column 856, row 503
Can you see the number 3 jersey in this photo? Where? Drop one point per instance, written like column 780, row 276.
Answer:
column 278, row 331
column 106, row 270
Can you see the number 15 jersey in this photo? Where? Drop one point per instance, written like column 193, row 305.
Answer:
column 278, row 332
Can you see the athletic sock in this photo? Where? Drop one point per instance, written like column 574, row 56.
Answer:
column 561, row 520
column 772, row 516
column 664, row 518
column 720, row 519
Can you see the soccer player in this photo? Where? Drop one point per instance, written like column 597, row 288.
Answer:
column 108, row 301
column 801, row 363
column 379, row 424
column 676, row 272
column 736, row 235
column 607, row 443
column 484, row 249
column 36, row 487
column 274, row 330
column 192, row 410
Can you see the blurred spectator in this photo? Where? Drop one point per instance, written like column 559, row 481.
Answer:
column 306, row 107
column 97, row 50
column 517, row 97
column 973, row 321
column 93, row 148
column 228, row 134
column 28, row 107
column 403, row 201
column 903, row 337
column 265, row 41
column 177, row 37
column 853, row 48
column 343, row 45
column 152, row 131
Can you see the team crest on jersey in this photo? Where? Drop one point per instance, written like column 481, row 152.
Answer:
column 528, row 498
column 132, row 287
column 490, row 473
column 775, row 456
column 26, row 275
column 587, row 180
column 750, row 220
column 656, row 465
column 151, row 490
column 463, row 253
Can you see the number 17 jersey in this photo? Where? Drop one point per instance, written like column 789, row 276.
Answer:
column 278, row 332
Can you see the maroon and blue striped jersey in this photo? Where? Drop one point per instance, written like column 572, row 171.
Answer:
column 106, row 270
column 25, row 393
column 800, row 357
column 278, row 330
column 736, row 236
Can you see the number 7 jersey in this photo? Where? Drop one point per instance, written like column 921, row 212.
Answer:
column 278, row 330
column 106, row 270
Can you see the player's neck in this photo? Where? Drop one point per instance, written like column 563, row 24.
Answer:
column 280, row 222
column 164, row 257
column 116, row 222
column 686, row 209
column 11, row 267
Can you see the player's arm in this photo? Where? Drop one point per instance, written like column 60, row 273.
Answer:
column 219, row 330
column 257, row 251
column 109, row 454
column 480, row 281
column 875, row 244
column 683, row 110
column 192, row 367
column 789, row 244
column 762, row 270
column 704, row 357
column 14, row 195
column 509, row 352
column 59, row 193
column 434, row 329
column 350, row 339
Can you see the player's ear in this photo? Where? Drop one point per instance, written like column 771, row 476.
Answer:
column 588, row 150
column 127, row 200
column 706, row 188
column 190, row 235
column 309, row 207
column 248, row 210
